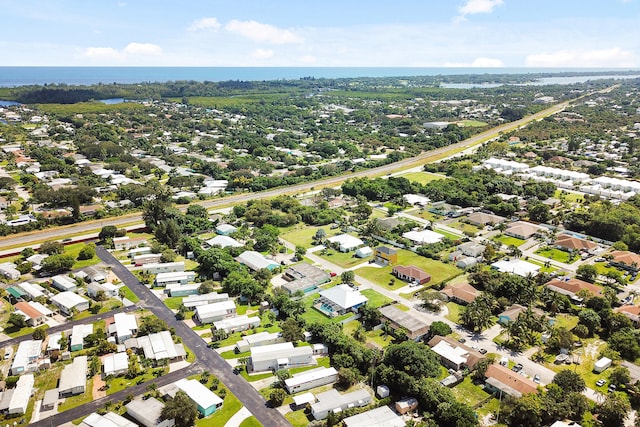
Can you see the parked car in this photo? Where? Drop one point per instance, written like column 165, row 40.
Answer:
column 536, row 379
column 483, row 351
column 462, row 340
column 333, row 274
column 517, row 368
column 612, row 387
column 601, row 382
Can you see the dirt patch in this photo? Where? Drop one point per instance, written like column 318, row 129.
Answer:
column 592, row 349
column 99, row 390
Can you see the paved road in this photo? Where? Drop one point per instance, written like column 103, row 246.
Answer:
column 207, row 359
column 27, row 239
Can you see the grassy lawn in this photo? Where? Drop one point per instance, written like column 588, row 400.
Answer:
column 47, row 379
column 423, row 177
column 464, row 227
column 469, row 393
column 508, row 240
column 230, row 406
column 250, row 422
column 454, row 311
column 424, row 214
column 566, row 321
column 298, row 418
column 231, row 354
column 255, row 377
column 570, row 197
column 378, row 337
column 74, row 249
column 301, row 235
column 585, row 368
column 173, row 302
column 448, row 234
column 556, row 255
column 439, row 271
column 128, row 294
column 343, row 259
column 376, row 299
column 543, row 269
column 472, row 123
column 81, row 399
column 243, row 308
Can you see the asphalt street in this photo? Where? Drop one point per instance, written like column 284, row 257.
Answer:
column 207, row 359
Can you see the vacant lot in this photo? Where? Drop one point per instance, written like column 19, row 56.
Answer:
column 422, row 177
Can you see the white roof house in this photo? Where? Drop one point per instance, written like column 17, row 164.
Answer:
column 516, row 266
column 34, row 291
column 181, row 277
column 191, row 301
column 310, row 379
column 64, row 283
column 109, row 289
column 225, row 229
column 257, row 340
column 8, row 270
column 416, row 199
column 346, row 242
column 78, row 334
column 110, row 419
column 21, row 395
column 148, row 412
column 216, row 311
column 256, row 261
column 160, row 346
column 343, row 297
column 423, row 237
column 41, row 308
column 280, row 356
column 163, row 267
column 67, row 301
column 115, row 364
column 53, row 342
column 238, row 323
column 379, row 417
column 206, row 400
column 364, row 252
column 331, row 400
column 73, row 379
column 126, row 326
column 26, row 355
column 224, row 241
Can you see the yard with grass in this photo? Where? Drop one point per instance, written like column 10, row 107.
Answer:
column 376, row 299
column 250, row 422
column 230, row 406
column 588, row 355
column 422, row 177
column 557, row 255
column 438, row 270
column 298, row 418
column 79, row 400
column 469, row 393
column 74, row 249
column 508, row 240
column 342, row 259
column 302, row 235
column 464, row 227
column 424, row 214
column 543, row 268
column 454, row 311
column 448, row 234
column 472, row 123
column 128, row 294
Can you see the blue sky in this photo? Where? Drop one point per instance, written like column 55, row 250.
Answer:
column 400, row 33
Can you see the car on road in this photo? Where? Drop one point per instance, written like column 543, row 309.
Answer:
column 536, row 379
column 475, row 347
column 483, row 351
column 462, row 340
column 612, row 388
column 517, row 368
column 601, row 382
column 333, row 274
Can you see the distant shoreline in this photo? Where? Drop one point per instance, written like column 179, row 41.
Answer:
column 83, row 76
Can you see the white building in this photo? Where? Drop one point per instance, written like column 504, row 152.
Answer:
column 192, row 301
column 423, row 237
column 26, row 356
column 32, row 290
column 256, row 261
column 206, row 400
column 310, row 379
column 274, row 357
column 341, row 298
column 109, row 289
column 20, row 395
column 346, row 242
column 124, row 326
column 257, row 340
column 236, row 324
column 163, row 267
column 68, row 301
column 8, row 270
column 64, row 283
column 160, row 346
column 139, row 251
column 73, row 379
column 177, row 278
column 148, row 412
column 115, row 364
column 379, row 417
column 224, row 242
column 332, row 401
column 214, row 312
column 147, row 258
column 78, row 334
column 110, row 419
column 516, row 266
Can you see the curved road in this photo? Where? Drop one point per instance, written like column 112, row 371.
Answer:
column 26, row 239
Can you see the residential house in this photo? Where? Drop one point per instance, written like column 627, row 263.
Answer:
column 124, row 326
column 256, row 261
column 9, row 271
column 115, row 364
column 110, row 419
column 332, row 401
column 632, row 312
column 572, row 287
column 109, row 290
column 516, row 266
column 148, row 258
column 284, row 355
column 385, row 255
column 96, row 274
column 364, row 252
column 568, row 243
column 32, row 316
column 472, row 249
column 257, row 340
column 423, row 237
column 177, row 278
column 20, row 395
column 126, row 242
column 164, row 267
column 310, row 379
column 148, row 413
column 73, row 379
column 139, row 251
column 67, row 302
column 414, row 327
column 454, row 354
column 78, row 334
column 304, row 277
column 31, row 291
column 191, row 301
column 406, row 404
column 378, row 417
column 339, row 299
column 411, row 274
column 36, row 260
column 214, row 312
column 206, row 400
column 346, row 242
column 26, row 356
column 224, row 242
column 461, row 293
column 64, row 283
column 522, row 230
column 626, row 260
column 480, row 219
column 225, row 229
column 502, row 380
column 50, row 399
column 512, row 313
column 237, row 324
column 160, row 346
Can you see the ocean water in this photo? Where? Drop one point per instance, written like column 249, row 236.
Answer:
column 21, row 76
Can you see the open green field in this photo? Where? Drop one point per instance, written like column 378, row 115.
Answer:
column 438, row 270
column 376, row 299
column 73, row 250
column 301, row 234
column 425, row 214
column 508, row 240
column 469, row 393
column 423, row 177
column 464, row 227
column 87, row 108
column 453, row 311
column 448, row 234
column 570, row 197
column 557, row 255
column 342, row 259
column 472, row 123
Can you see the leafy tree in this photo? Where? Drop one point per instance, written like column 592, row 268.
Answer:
column 590, row 319
column 240, row 282
column 347, row 377
column 526, row 411
column 63, row 341
column 88, row 251
column 24, row 267
column 347, row 276
column 168, row 255
column 620, row 376
column 587, row 272
column 539, row 212
column 614, row 409
column 51, row 247
column 216, row 260
column 168, row 232
column 626, row 342
column 569, row 381
column 181, row 409
column 56, row 263
column 277, row 397
column 151, row 325
column 17, row 320
column 291, row 330
column 412, row 358
column 369, row 316
column 439, row 328
column 39, row 333
column 206, row 287
column 27, row 252
column 560, row 338
column 108, row 232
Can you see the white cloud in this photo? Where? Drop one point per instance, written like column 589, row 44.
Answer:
column 204, row 24
column 614, row 57
column 262, row 53
column 487, row 63
column 103, row 53
column 471, row 7
column 142, row 49
column 259, row 32
column 308, row 59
